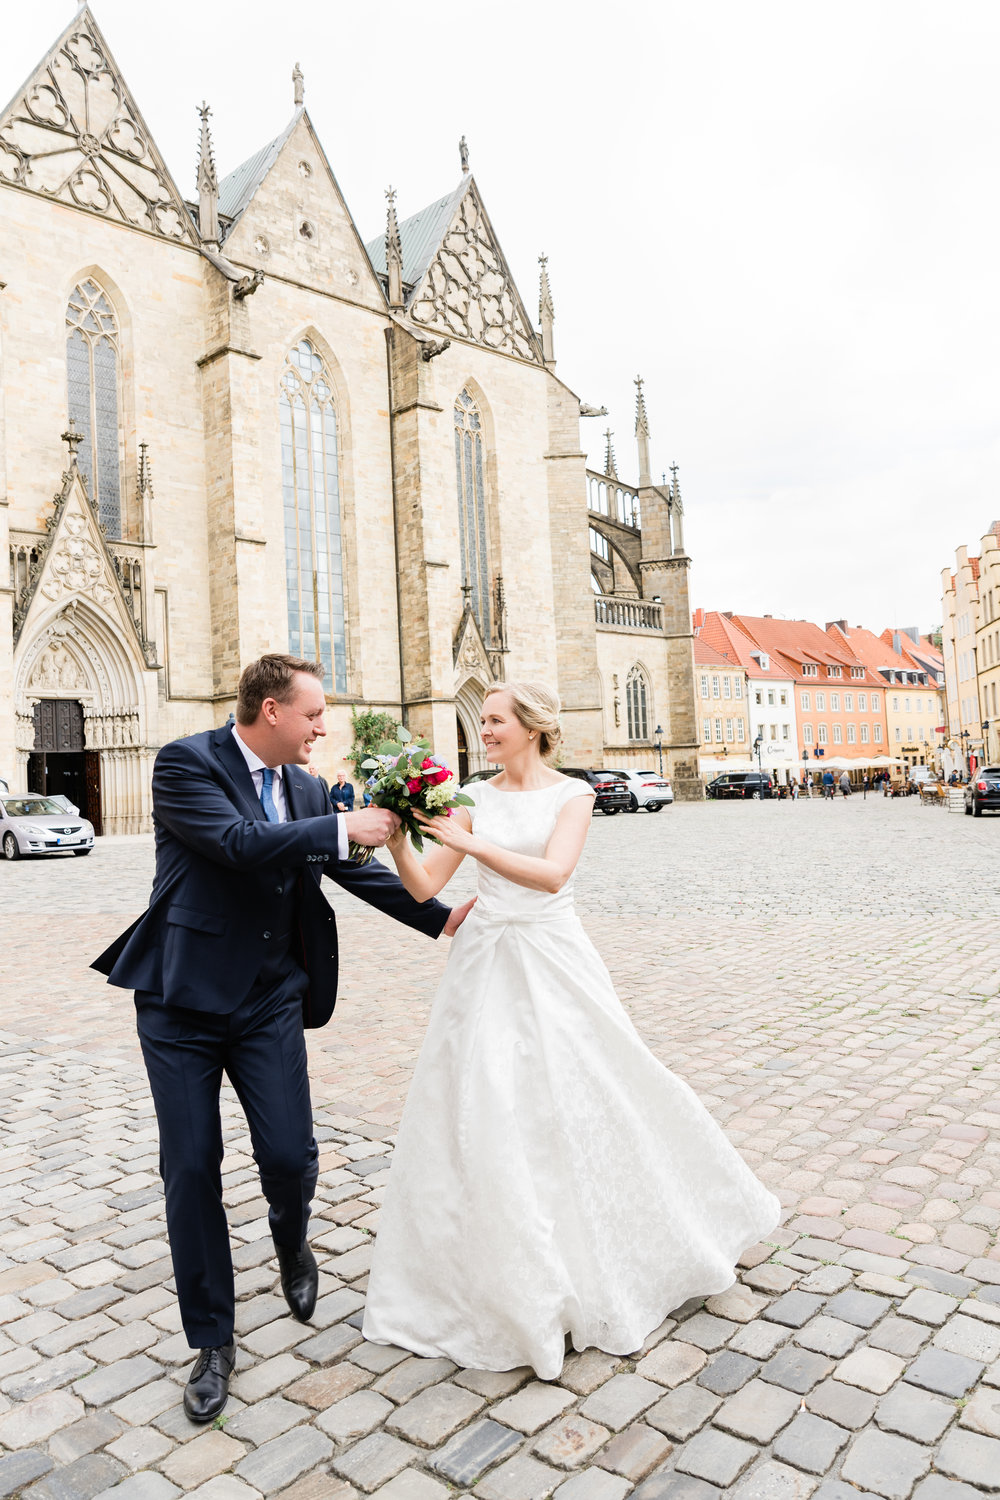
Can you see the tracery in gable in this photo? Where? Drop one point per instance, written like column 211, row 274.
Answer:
column 75, row 135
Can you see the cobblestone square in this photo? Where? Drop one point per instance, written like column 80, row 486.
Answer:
column 824, row 976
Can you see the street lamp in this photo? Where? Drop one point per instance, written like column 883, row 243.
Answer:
column 986, row 741
column 965, row 737
column 658, row 740
column 757, row 744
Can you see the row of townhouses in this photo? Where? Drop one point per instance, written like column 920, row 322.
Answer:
column 789, row 696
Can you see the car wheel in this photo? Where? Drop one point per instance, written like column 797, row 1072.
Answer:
column 976, row 810
column 633, row 802
column 755, row 796
column 80, row 852
column 968, row 811
column 611, row 812
column 10, row 847
column 653, row 806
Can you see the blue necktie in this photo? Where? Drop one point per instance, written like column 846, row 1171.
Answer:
column 266, row 800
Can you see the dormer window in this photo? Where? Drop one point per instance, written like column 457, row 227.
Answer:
column 857, row 671
column 810, row 669
column 833, row 672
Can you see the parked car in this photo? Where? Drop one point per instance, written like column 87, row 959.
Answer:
column 37, row 825
column 982, row 791
column 647, row 789
column 64, row 803
column 481, row 776
column 612, row 792
column 744, row 784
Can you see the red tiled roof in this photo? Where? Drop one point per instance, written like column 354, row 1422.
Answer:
column 707, row 656
column 736, row 646
column 974, row 565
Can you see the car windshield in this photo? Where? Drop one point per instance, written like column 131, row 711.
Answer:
column 31, row 807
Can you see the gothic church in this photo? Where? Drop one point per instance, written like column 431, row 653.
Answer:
column 230, row 426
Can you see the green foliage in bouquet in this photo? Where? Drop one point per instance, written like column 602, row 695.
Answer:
column 405, row 777
column 370, row 730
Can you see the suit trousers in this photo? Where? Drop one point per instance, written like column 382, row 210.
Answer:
column 261, row 1047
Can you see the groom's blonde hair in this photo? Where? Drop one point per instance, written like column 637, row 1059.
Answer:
column 535, row 706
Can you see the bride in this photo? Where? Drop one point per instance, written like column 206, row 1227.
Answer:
column 551, row 1178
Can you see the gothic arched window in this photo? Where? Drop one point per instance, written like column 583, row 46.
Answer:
column 637, row 704
column 472, row 525
column 92, row 377
column 314, row 567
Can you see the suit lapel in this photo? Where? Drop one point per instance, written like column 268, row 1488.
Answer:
column 294, row 780
column 231, row 758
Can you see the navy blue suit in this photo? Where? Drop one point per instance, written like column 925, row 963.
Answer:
column 235, row 954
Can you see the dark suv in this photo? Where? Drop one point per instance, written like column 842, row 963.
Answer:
column 743, row 784
column 982, row 791
column 612, row 790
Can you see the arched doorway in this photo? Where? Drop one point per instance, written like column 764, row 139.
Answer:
column 59, row 763
column 463, row 750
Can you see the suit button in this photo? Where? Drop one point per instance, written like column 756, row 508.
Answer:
column 278, row 890
column 266, row 934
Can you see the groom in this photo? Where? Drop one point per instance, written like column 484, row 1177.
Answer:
column 235, row 955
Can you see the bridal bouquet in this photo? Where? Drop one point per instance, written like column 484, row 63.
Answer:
column 406, row 778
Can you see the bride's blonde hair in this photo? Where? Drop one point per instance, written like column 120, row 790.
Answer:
column 537, row 708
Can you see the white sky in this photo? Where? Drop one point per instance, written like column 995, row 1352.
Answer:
column 783, row 214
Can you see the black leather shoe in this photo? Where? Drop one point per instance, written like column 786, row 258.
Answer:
column 207, row 1390
column 299, row 1279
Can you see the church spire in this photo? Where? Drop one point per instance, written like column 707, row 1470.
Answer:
column 208, row 184
column 546, row 312
column 676, row 511
column 393, row 252
column 299, row 85
column 642, row 434
column 610, row 466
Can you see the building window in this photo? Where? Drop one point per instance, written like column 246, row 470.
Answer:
column 718, row 730
column 838, row 735
column 598, row 543
column 862, row 703
column 472, row 523
column 93, row 358
column 833, row 671
column 758, row 698
column 738, row 687
column 786, row 732
column 909, row 732
column 821, row 734
column 857, row 671
column 783, row 699
column 851, row 734
column 727, row 687
column 899, row 735
column 314, row 566
column 877, row 733
column 807, row 734
column 636, row 702
column 740, row 732
column 706, row 729
column 704, row 684
column 715, row 687
column 821, row 703
column 810, row 669
column 770, row 697
column 729, row 731
column 849, row 703
column 895, row 705
column 864, row 734
column 835, row 703
column 923, row 736
column 804, row 699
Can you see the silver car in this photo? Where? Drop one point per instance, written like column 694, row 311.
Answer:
column 647, row 789
column 38, row 825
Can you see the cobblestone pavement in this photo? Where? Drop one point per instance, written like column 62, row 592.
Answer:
column 825, row 978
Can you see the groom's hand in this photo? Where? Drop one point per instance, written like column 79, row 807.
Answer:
column 457, row 916
column 372, row 827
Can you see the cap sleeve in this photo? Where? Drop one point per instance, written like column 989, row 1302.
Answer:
column 574, row 787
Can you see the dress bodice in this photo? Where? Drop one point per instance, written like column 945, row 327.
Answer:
column 522, row 822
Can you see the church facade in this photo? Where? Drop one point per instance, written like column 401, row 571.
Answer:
column 229, row 426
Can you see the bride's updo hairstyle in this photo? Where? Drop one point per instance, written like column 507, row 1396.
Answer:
column 537, row 708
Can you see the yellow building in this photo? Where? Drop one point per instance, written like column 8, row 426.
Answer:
column 988, row 644
column 960, row 617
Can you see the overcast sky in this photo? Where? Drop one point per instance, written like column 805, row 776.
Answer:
column 784, row 215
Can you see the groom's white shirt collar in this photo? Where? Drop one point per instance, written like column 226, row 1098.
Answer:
column 256, row 767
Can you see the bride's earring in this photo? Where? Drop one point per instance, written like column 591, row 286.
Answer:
column 531, row 736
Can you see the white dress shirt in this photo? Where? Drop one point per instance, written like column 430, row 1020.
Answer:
column 256, row 767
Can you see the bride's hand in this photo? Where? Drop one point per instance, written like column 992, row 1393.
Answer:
column 396, row 840
column 447, row 831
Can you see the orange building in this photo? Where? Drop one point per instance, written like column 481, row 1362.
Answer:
column 840, row 701
column 912, row 697
column 720, row 687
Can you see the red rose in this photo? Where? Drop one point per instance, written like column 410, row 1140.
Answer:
column 413, row 786
column 438, row 777
column 427, row 765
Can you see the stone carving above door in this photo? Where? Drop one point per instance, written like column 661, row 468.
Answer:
column 75, row 135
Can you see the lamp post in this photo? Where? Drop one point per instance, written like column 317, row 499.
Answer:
column 658, row 740
column 757, row 744
column 986, row 741
column 965, row 737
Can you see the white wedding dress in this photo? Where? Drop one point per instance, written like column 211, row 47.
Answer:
column 550, row 1177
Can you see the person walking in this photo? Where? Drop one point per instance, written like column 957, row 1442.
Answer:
column 828, row 785
column 845, row 784
column 236, row 954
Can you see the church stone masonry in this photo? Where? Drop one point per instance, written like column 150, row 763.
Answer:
column 361, row 453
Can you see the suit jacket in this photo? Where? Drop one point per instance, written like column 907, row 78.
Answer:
column 219, row 867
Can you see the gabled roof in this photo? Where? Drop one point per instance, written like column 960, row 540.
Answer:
column 420, row 235
column 736, row 647
column 237, row 189
column 874, row 651
column 707, row 656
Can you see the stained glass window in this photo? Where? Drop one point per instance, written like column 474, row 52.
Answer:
column 92, row 371
column 637, row 704
column 314, row 565
column 472, row 527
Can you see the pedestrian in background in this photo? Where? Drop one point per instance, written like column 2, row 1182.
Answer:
column 828, row 785
column 342, row 794
column 845, row 784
